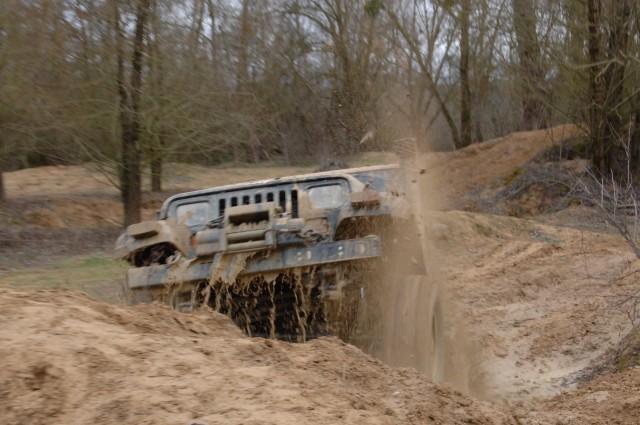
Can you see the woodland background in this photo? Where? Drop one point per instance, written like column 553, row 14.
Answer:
column 130, row 84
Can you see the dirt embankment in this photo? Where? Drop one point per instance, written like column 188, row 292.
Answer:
column 548, row 304
column 543, row 302
column 69, row 359
column 460, row 179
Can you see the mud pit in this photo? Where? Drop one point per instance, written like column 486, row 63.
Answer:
column 539, row 302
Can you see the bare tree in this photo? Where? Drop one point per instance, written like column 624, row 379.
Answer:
column 617, row 203
column 156, row 135
column 611, row 101
column 465, row 90
column 410, row 31
column 129, row 90
column 3, row 46
column 454, row 48
column 350, row 40
column 530, row 68
column 617, row 116
column 212, row 81
column 596, row 86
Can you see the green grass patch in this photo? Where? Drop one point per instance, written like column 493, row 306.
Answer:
column 87, row 274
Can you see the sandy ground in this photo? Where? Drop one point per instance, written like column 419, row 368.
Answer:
column 540, row 300
column 69, row 359
column 539, row 303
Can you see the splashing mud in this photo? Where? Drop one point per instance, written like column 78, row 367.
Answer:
column 404, row 320
column 298, row 305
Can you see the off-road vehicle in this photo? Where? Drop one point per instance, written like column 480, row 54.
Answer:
column 338, row 252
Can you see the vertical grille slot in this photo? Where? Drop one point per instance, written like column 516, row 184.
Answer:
column 222, row 205
column 282, row 200
column 258, row 198
column 294, row 203
column 234, row 201
column 246, row 200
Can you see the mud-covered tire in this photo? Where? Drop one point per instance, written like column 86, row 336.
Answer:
column 414, row 330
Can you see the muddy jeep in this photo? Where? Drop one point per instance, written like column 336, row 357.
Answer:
column 329, row 253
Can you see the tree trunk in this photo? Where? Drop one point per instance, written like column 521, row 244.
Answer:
column 465, row 91
column 612, row 150
column 131, row 182
column 635, row 138
column 2, row 165
column 242, row 75
column 131, row 178
column 212, row 37
column 596, row 90
column 617, row 155
column 2, row 198
column 531, row 74
column 156, row 78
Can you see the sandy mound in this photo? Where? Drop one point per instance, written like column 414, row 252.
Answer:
column 467, row 170
column 69, row 359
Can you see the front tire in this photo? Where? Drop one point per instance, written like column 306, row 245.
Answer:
column 414, row 331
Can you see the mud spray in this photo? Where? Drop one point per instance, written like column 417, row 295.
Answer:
column 407, row 318
column 396, row 308
column 462, row 362
column 404, row 320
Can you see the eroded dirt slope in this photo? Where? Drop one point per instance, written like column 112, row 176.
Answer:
column 452, row 176
column 68, row 359
column 543, row 302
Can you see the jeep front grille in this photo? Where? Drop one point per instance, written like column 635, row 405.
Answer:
column 286, row 199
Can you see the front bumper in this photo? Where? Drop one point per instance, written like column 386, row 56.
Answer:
column 262, row 262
